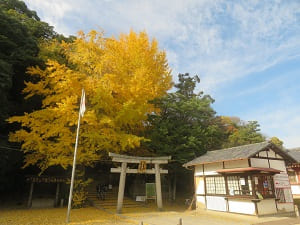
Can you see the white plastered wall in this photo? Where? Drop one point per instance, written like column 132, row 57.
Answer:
column 285, row 207
column 278, row 165
column 266, row 206
column 216, row 203
column 273, row 154
column 211, row 168
column 259, row 163
column 200, row 202
column 240, row 206
column 236, row 164
column 199, row 170
column 295, row 189
column 263, row 154
column 200, row 185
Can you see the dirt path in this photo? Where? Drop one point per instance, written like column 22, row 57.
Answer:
column 290, row 221
column 207, row 218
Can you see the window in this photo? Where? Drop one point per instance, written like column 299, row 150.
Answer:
column 215, row 185
column 239, row 185
column 264, row 186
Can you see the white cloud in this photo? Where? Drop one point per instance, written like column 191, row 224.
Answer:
column 53, row 12
column 220, row 40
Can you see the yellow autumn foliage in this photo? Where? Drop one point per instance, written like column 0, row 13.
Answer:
column 57, row 216
column 120, row 76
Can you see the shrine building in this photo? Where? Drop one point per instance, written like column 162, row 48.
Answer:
column 249, row 179
column 294, row 172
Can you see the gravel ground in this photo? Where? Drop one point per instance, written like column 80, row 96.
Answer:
column 148, row 215
column 205, row 217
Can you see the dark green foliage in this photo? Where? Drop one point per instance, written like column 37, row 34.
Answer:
column 21, row 32
column 17, row 50
column 186, row 125
column 11, row 160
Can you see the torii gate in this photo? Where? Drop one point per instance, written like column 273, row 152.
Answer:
column 142, row 161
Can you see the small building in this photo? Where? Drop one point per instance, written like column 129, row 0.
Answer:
column 250, row 179
column 294, row 172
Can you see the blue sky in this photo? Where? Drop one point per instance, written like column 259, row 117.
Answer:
column 247, row 53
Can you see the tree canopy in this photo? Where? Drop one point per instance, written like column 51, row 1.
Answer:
column 185, row 127
column 120, row 77
column 239, row 132
column 277, row 141
column 20, row 32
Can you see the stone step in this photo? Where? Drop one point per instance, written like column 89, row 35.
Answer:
column 106, row 195
column 115, row 204
column 111, row 199
column 124, row 206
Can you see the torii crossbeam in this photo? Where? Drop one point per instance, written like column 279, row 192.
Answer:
column 142, row 161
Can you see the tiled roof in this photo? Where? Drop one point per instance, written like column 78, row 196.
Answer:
column 239, row 152
column 295, row 153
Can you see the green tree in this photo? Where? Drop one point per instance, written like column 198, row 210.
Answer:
column 20, row 32
column 244, row 133
column 186, row 125
column 22, row 36
column 277, row 141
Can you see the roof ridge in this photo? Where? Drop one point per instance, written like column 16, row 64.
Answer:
column 238, row 146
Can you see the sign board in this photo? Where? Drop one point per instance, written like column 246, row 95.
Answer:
column 140, row 198
column 142, row 166
column 281, row 181
column 242, row 181
column 150, row 191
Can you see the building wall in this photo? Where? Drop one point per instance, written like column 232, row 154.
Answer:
column 295, row 189
column 244, row 206
column 270, row 154
column 278, row 164
column 200, row 189
column 201, row 202
column 236, row 164
column 259, row 163
column 285, row 207
column 216, row 203
column 199, row 170
column 241, row 206
column 266, row 206
column 210, row 169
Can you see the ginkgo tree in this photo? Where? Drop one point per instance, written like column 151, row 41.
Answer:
column 120, row 76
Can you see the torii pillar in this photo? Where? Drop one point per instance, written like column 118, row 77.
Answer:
column 123, row 170
column 121, row 187
column 158, row 187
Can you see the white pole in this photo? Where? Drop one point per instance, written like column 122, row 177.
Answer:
column 158, row 187
column 74, row 165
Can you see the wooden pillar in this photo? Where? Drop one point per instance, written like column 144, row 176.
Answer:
column 121, row 187
column 57, row 195
column 29, row 203
column 158, row 187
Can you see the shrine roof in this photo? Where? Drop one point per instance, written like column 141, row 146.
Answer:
column 238, row 153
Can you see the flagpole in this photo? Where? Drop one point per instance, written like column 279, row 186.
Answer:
column 74, row 163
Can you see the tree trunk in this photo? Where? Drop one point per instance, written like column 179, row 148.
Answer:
column 174, row 187
column 170, row 187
